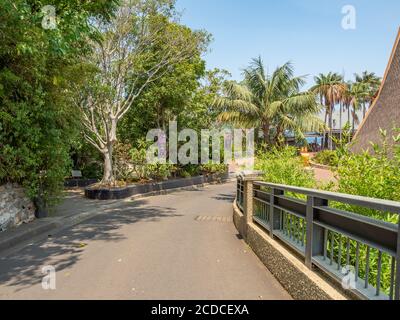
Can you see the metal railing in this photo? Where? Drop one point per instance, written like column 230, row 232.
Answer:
column 360, row 252
column 240, row 193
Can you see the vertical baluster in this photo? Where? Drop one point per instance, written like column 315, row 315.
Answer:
column 393, row 271
column 325, row 243
column 287, row 224
column 284, row 223
column 332, row 244
column 261, row 208
column 357, row 260
column 340, row 253
column 297, row 230
column 348, row 253
column 378, row 277
column 264, row 207
column 303, row 234
column 367, row 268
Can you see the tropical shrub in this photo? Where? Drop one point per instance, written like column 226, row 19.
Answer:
column 123, row 168
column 188, row 171
column 375, row 175
column 38, row 123
column 284, row 166
column 160, row 171
column 214, row 168
column 327, row 158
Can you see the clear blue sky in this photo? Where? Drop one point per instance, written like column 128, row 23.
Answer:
column 306, row 32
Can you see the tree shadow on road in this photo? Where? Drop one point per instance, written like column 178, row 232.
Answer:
column 226, row 197
column 64, row 249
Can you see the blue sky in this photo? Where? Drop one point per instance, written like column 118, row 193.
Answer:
column 306, row 32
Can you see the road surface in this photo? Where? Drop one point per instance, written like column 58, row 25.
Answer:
column 177, row 246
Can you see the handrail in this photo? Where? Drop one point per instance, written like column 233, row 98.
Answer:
column 372, row 203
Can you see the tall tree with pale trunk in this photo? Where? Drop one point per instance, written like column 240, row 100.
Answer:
column 139, row 45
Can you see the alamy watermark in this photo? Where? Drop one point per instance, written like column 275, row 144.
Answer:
column 349, row 20
column 219, row 146
column 49, row 21
column 349, row 278
column 49, row 280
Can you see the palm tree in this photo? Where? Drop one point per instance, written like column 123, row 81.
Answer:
column 329, row 88
column 272, row 103
column 347, row 102
column 369, row 84
column 353, row 99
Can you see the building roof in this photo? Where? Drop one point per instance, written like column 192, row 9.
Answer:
column 385, row 111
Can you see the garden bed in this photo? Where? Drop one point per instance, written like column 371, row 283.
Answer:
column 79, row 183
column 101, row 193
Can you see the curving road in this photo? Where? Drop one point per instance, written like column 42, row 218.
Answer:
column 177, row 246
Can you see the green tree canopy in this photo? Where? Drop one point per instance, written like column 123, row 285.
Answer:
column 37, row 121
column 272, row 102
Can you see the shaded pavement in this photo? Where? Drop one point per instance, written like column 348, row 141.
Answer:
column 177, row 246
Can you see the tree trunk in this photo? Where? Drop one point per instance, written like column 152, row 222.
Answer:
column 108, row 175
column 265, row 129
column 330, row 142
column 348, row 115
column 340, row 122
column 279, row 132
column 325, row 122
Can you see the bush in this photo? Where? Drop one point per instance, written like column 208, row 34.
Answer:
column 284, row 166
column 160, row 171
column 123, row 168
column 142, row 170
column 375, row 175
column 139, row 161
column 38, row 120
column 214, row 168
column 327, row 158
column 189, row 171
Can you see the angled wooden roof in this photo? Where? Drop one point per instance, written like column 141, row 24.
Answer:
column 385, row 111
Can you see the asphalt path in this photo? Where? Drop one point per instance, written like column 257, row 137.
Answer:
column 177, row 246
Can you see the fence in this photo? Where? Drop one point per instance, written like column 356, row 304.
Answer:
column 360, row 252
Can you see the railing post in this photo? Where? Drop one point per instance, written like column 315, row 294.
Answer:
column 315, row 234
column 397, row 282
column 248, row 177
column 274, row 214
